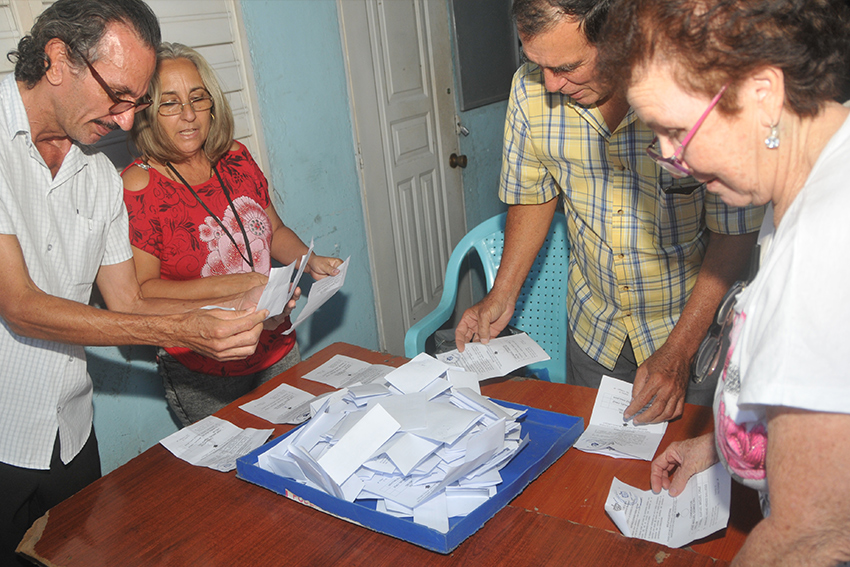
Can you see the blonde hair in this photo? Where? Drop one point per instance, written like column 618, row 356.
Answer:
column 147, row 133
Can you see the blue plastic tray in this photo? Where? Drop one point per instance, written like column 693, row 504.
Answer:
column 551, row 434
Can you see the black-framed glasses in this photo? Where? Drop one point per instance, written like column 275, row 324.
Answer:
column 120, row 105
column 710, row 351
column 173, row 107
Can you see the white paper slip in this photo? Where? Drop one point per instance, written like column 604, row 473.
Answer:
column 337, row 371
column 280, row 287
column 608, row 434
column 417, row 374
column 320, row 292
column 699, row 511
column 499, row 357
column 355, row 448
column 214, row 443
column 284, row 404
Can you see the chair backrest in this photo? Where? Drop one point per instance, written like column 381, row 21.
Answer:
column 541, row 310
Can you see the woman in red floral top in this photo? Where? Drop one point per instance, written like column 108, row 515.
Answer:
column 203, row 226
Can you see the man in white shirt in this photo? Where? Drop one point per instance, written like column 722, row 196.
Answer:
column 82, row 71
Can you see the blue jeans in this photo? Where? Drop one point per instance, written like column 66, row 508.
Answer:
column 193, row 396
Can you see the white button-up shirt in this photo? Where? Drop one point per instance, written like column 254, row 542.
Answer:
column 67, row 226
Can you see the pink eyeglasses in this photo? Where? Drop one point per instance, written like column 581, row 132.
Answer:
column 674, row 163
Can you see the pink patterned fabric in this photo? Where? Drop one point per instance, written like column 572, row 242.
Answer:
column 743, row 448
column 224, row 257
column 743, row 445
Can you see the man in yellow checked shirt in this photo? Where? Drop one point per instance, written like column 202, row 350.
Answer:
column 651, row 254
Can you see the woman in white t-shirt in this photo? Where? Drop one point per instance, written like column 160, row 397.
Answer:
column 741, row 95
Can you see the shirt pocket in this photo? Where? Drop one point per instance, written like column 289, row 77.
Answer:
column 679, row 213
column 84, row 253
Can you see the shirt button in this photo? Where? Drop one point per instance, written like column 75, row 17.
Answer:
column 619, row 211
column 49, row 247
column 625, row 288
column 621, row 256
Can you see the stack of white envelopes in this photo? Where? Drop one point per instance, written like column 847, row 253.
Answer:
column 420, row 446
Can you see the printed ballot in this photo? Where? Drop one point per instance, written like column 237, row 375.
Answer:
column 497, row 358
column 284, row 404
column 341, row 371
column 214, row 443
column 699, row 511
column 609, row 434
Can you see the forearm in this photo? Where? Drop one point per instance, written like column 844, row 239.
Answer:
column 790, row 545
column 726, row 259
column 210, row 288
column 806, row 466
column 526, row 228
column 46, row 317
column 287, row 247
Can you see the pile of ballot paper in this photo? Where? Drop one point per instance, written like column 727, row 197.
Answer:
column 419, row 446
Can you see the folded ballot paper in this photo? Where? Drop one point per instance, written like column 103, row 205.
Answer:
column 281, row 287
column 423, row 448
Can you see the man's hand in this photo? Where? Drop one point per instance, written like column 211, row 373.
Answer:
column 680, row 461
column 220, row 334
column 663, row 380
column 485, row 319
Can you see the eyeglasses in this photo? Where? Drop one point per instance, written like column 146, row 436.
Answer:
column 674, row 164
column 709, row 353
column 121, row 105
column 173, row 108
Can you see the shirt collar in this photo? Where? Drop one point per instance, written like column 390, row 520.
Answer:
column 13, row 112
column 593, row 116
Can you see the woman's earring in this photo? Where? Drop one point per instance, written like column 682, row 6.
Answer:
column 772, row 141
column 213, row 117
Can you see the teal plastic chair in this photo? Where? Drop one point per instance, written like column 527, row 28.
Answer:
column 541, row 310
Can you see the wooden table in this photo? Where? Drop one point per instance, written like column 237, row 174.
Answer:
column 159, row 510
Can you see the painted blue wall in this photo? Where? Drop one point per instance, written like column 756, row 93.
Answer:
column 298, row 64
column 296, row 52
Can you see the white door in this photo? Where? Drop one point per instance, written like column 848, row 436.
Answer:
column 398, row 58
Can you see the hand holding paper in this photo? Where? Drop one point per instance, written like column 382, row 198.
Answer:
column 700, row 510
column 497, row 358
column 280, row 288
column 609, row 434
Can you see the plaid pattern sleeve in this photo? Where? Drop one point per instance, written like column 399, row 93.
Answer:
column 635, row 250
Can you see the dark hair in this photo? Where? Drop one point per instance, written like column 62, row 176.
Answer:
column 536, row 16
column 715, row 42
column 81, row 25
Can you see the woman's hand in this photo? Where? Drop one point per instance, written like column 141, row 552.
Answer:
column 322, row 266
column 680, row 461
